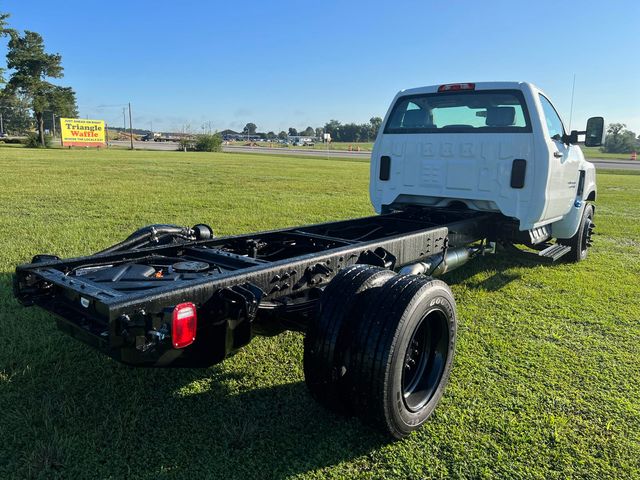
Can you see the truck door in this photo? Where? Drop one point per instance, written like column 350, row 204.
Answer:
column 563, row 164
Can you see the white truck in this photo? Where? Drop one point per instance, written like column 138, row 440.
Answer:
column 491, row 146
column 455, row 170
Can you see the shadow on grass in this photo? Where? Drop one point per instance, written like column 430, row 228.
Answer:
column 71, row 412
column 500, row 264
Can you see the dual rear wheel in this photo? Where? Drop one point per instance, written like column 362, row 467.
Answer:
column 381, row 347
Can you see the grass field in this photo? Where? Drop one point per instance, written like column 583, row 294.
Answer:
column 545, row 385
column 363, row 146
column 595, row 152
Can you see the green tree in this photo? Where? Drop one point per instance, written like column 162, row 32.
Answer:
column 250, row 129
column 332, row 127
column 615, row 129
column 62, row 104
column 375, row 123
column 16, row 114
column 350, row 132
column 308, row 132
column 31, row 67
column 293, row 131
column 271, row 135
column 282, row 135
column 619, row 139
column 4, row 31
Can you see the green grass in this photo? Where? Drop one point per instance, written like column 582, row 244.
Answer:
column 364, row 146
column 595, row 152
column 546, row 381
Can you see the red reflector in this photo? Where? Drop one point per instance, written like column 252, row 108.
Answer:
column 455, row 87
column 183, row 325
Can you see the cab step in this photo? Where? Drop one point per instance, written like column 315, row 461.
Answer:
column 554, row 252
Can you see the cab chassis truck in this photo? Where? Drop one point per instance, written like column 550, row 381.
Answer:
column 456, row 169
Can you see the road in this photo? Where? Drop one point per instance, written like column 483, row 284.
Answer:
column 309, row 152
column 615, row 164
column 172, row 146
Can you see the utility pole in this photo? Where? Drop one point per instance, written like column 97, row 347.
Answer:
column 1, row 124
column 130, row 126
column 124, row 121
column 53, row 123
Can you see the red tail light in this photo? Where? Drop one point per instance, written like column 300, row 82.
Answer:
column 184, row 324
column 455, row 87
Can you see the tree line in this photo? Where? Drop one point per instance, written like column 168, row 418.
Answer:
column 27, row 97
column 347, row 132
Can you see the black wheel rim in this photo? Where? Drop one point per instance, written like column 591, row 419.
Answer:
column 424, row 360
column 586, row 235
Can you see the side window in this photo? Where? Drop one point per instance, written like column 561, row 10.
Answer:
column 554, row 124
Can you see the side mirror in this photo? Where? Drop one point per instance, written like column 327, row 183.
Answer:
column 572, row 138
column 594, row 135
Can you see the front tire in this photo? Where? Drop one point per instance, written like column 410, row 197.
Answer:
column 581, row 241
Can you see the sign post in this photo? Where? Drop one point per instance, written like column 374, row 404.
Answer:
column 80, row 132
column 327, row 138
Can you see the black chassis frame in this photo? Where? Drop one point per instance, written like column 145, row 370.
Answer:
column 246, row 293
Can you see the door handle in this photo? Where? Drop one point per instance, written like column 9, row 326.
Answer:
column 557, row 154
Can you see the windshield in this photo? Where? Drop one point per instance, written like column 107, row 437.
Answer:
column 487, row 111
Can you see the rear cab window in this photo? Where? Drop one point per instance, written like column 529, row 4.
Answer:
column 482, row 111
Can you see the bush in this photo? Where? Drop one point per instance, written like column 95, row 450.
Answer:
column 33, row 141
column 186, row 144
column 208, row 143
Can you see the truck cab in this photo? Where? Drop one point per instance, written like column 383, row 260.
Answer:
column 491, row 146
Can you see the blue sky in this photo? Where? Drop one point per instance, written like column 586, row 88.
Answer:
column 280, row 64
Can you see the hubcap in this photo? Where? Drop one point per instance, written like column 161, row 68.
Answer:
column 424, row 360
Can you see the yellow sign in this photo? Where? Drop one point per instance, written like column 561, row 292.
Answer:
column 78, row 132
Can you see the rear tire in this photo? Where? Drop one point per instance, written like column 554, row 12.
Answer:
column 401, row 353
column 581, row 241
column 328, row 332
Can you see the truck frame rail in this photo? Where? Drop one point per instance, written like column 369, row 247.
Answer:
column 259, row 283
